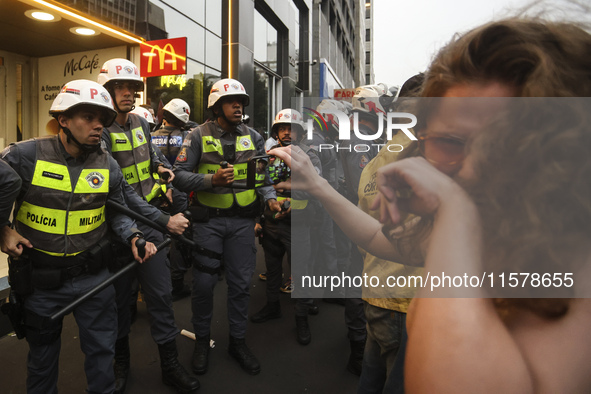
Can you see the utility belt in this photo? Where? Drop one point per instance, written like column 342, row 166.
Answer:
column 202, row 214
column 38, row 270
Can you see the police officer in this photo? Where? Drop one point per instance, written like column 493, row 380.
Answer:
column 355, row 153
column 281, row 234
column 128, row 140
column 60, row 219
column 145, row 113
column 227, row 215
column 169, row 139
column 324, row 245
column 368, row 103
column 170, row 136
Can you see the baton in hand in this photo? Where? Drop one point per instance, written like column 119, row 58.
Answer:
column 141, row 248
column 136, row 216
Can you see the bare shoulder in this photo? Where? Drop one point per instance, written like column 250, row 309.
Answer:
column 558, row 352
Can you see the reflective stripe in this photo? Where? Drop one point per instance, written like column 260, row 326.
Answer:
column 139, row 138
column 48, row 175
column 244, row 143
column 299, row 204
column 120, row 142
column 224, row 201
column 211, row 144
column 212, row 155
column 92, row 181
column 53, row 221
column 295, row 204
column 59, row 254
column 156, row 190
column 131, row 151
column 131, row 173
column 240, row 170
column 59, row 220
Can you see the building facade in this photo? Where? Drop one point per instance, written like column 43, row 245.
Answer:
column 279, row 50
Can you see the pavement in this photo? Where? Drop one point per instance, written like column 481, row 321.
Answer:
column 286, row 366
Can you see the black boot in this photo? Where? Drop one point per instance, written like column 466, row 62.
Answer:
column 121, row 366
column 303, row 330
column 173, row 373
column 200, row 355
column 356, row 357
column 244, row 356
column 179, row 289
column 271, row 310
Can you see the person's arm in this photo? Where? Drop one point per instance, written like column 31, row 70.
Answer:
column 123, row 226
column 11, row 242
column 106, row 142
column 160, row 165
column 175, row 224
column 362, row 229
column 10, row 187
column 455, row 344
column 187, row 160
column 267, row 193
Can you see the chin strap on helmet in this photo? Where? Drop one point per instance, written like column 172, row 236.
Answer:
column 119, row 110
column 221, row 114
column 85, row 148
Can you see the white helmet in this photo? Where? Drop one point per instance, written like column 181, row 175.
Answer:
column 225, row 88
column 367, row 99
column 84, row 92
column 291, row 117
column 120, row 70
column 179, row 108
column 332, row 105
column 144, row 113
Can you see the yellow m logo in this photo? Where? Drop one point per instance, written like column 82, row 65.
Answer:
column 161, row 53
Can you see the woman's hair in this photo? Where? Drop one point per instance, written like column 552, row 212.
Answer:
column 534, row 193
column 537, row 58
column 532, row 187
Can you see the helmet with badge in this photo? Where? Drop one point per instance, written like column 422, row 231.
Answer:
column 367, row 99
column 325, row 109
column 144, row 113
column 119, row 70
column 289, row 117
column 179, row 109
column 82, row 92
column 227, row 88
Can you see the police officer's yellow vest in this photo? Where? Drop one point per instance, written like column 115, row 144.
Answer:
column 61, row 217
column 212, row 155
column 131, row 150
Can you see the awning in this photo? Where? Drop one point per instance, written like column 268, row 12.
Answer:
column 26, row 36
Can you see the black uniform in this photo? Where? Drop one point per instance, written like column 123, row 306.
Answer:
column 61, row 174
column 10, row 184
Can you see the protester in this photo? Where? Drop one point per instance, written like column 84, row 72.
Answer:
column 466, row 344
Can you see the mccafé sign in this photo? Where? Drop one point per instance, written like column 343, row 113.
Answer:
column 163, row 57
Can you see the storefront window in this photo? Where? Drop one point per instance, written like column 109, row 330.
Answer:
column 265, row 43
column 296, row 40
column 213, row 20
column 193, row 87
column 260, row 102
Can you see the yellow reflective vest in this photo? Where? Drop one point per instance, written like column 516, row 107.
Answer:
column 60, row 215
column 211, row 156
column 131, row 150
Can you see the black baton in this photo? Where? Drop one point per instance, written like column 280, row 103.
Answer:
column 141, row 246
column 136, row 216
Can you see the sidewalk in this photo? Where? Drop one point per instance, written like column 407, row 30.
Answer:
column 287, row 367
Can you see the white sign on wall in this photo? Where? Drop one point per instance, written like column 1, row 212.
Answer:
column 55, row 71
